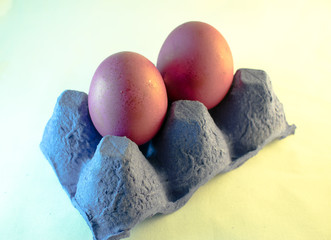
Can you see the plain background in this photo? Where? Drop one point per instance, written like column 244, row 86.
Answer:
column 48, row 46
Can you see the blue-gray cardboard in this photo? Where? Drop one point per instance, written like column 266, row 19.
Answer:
column 116, row 184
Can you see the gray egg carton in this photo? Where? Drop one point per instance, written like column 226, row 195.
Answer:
column 115, row 184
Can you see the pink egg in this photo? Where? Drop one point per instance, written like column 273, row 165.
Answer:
column 196, row 63
column 127, row 97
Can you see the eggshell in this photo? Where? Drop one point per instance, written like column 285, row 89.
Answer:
column 127, row 97
column 196, row 63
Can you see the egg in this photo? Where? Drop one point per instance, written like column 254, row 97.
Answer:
column 196, row 63
column 127, row 97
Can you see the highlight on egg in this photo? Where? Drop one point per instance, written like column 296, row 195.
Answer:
column 196, row 63
column 127, row 97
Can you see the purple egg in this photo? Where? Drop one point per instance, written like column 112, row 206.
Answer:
column 127, row 97
column 196, row 63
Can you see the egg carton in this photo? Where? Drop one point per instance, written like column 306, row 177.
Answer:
column 116, row 184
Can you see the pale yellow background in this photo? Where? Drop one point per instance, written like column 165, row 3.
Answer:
column 49, row 46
